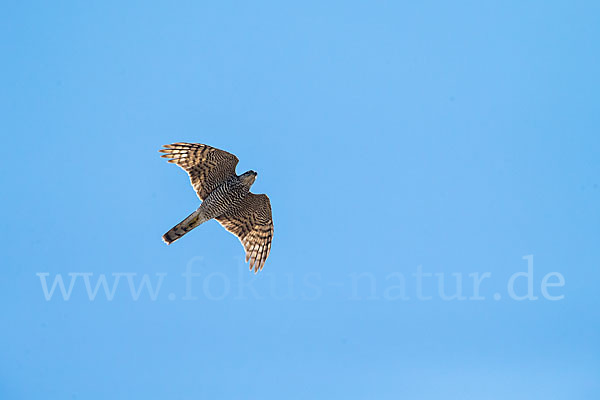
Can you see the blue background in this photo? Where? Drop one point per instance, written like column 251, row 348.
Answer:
column 458, row 136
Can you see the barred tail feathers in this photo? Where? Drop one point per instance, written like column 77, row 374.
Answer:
column 193, row 220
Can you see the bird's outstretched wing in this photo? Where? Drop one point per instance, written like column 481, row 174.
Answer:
column 252, row 223
column 207, row 166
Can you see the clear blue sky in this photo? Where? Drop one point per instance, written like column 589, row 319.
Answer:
column 448, row 138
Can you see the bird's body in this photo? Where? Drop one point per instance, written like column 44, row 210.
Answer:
column 226, row 198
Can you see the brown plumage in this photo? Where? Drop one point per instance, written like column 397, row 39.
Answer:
column 225, row 197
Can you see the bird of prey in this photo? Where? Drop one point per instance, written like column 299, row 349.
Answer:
column 225, row 197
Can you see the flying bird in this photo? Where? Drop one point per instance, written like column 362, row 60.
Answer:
column 225, row 197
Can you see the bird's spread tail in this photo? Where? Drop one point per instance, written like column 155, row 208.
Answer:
column 192, row 221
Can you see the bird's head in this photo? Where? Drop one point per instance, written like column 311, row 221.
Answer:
column 248, row 177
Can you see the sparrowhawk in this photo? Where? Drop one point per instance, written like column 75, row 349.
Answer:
column 225, row 197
